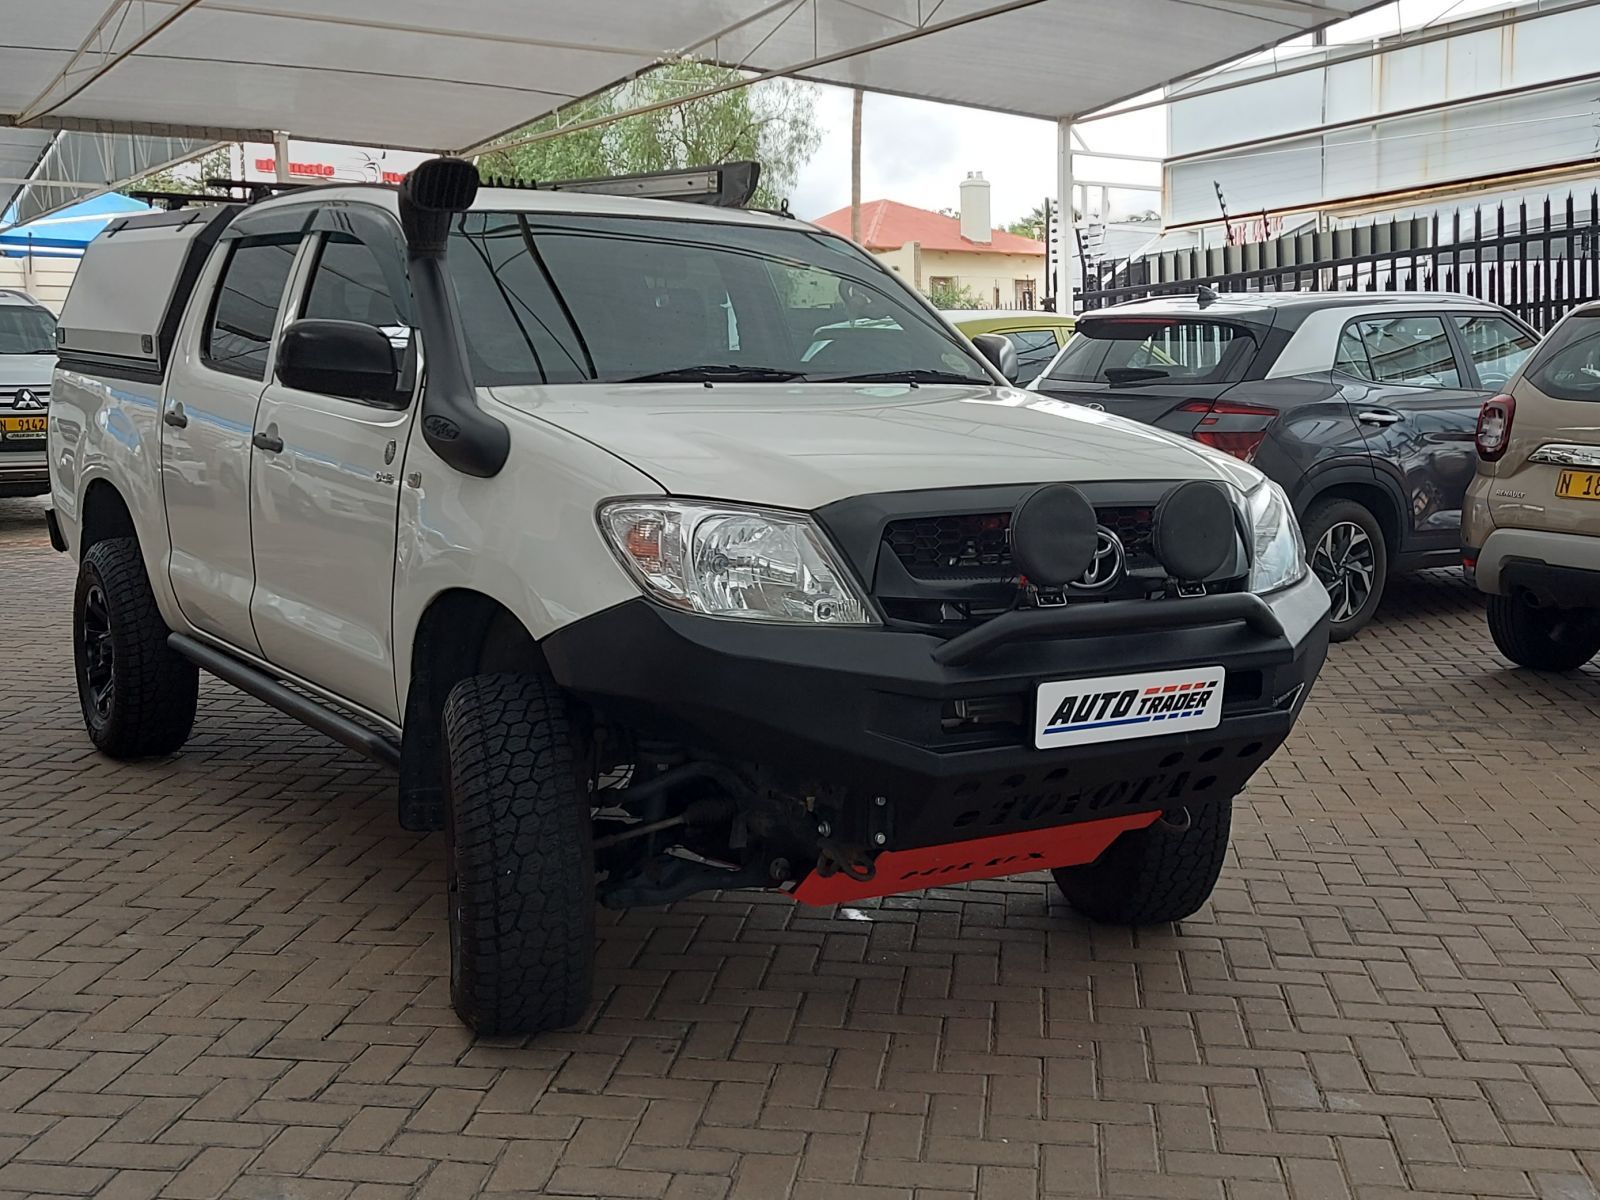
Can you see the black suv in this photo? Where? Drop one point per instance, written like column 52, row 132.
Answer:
column 1363, row 407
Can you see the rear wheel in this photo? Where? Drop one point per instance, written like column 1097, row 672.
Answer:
column 521, row 859
column 1163, row 872
column 138, row 696
column 1545, row 639
column 1346, row 551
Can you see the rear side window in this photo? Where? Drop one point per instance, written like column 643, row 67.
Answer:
column 246, row 305
column 1568, row 366
column 1035, row 349
column 1153, row 350
column 1413, row 351
column 1498, row 348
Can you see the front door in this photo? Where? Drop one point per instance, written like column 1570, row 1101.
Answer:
column 1417, row 407
column 219, row 369
column 325, row 486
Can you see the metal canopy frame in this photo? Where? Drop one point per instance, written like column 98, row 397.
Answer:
column 433, row 75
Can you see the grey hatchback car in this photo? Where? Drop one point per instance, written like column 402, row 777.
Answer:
column 1362, row 406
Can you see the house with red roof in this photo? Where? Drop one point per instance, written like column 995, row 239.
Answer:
column 933, row 251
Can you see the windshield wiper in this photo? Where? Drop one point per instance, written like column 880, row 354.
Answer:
column 912, row 376
column 714, row 373
column 1116, row 375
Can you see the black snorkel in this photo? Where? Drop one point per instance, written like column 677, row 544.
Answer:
column 454, row 426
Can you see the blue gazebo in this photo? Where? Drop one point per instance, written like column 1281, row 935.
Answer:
column 65, row 233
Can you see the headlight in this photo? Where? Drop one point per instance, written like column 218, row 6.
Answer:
column 1278, row 556
column 726, row 561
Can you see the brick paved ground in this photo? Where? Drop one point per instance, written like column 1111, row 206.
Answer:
column 224, row 975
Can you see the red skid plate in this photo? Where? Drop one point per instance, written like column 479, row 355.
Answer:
column 982, row 858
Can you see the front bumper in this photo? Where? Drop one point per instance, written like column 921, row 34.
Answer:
column 864, row 712
column 24, row 472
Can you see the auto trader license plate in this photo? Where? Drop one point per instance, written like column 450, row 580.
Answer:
column 1112, row 708
column 1579, row 485
column 23, row 429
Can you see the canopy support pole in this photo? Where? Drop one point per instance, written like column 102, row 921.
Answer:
column 280, row 156
column 1066, row 222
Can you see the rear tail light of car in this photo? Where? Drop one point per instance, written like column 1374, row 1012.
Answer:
column 1494, row 427
column 1227, row 425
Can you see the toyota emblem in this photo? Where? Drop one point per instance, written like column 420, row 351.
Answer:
column 1095, row 406
column 1106, row 566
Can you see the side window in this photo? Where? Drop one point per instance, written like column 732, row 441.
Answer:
column 1351, row 356
column 246, row 305
column 348, row 285
column 1498, row 348
column 1035, row 349
column 1413, row 351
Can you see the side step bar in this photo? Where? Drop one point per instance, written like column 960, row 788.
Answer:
column 321, row 717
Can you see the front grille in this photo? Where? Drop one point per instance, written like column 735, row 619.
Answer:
column 977, row 546
column 969, row 546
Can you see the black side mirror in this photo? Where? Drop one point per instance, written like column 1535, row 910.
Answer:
column 339, row 358
column 1001, row 354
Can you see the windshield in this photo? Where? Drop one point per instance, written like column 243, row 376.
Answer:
column 25, row 329
column 567, row 299
column 1132, row 350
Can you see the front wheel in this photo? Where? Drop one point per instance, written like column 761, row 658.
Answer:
column 1346, row 551
column 1163, row 872
column 1544, row 639
column 138, row 696
column 521, row 858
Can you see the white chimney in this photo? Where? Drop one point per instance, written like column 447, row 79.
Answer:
column 975, row 225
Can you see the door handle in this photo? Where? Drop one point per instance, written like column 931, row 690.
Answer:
column 267, row 440
column 175, row 416
column 1379, row 416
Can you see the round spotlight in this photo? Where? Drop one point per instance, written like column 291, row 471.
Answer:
column 1194, row 530
column 1053, row 535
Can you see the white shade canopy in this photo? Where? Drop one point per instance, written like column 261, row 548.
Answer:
column 431, row 75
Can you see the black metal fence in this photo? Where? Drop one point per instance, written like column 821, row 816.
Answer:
column 1536, row 263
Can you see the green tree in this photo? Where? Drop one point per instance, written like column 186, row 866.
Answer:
column 772, row 122
column 1032, row 225
column 188, row 177
column 947, row 295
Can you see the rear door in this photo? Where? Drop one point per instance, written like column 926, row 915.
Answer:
column 1416, row 403
column 1159, row 370
column 219, row 369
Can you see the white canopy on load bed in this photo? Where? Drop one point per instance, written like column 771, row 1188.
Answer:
column 134, row 84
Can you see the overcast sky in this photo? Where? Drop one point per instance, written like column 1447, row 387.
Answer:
column 918, row 153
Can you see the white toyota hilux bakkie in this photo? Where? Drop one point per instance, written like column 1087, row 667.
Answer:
column 661, row 547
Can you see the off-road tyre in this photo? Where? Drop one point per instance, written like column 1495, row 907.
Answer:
column 521, row 858
column 138, row 695
column 1543, row 639
column 1337, row 517
column 1163, row 872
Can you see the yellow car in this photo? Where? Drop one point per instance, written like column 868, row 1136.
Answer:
column 1036, row 335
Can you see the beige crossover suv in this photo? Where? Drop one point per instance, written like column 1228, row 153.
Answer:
column 1531, row 523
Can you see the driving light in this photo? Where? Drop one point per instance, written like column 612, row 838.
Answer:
column 1278, row 556
column 727, row 561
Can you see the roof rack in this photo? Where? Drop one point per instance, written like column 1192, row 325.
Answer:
column 726, row 185
column 223, row 191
